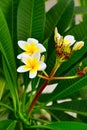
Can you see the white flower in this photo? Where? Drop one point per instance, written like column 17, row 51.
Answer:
column 32, row 64
column 69, row 40
column 31, row 46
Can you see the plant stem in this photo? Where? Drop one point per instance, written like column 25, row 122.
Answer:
column 66, row 77
column 43, row 77
column 37, row 96
column 45, row 73
column 6, row 106
column 55, row 68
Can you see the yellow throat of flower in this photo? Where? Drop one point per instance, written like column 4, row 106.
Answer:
column 31, row 48
column 33, row 65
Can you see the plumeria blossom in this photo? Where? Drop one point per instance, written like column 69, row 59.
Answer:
column 32, row 64
column 69, row 40
column 30, row 47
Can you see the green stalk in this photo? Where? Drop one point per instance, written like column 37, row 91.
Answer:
column 66, row 77
column 55, row 68
column 6, row 106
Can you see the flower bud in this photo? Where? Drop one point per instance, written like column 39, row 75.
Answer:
column 42, row 58
column 85, row 70
column 78, row 45
column 57, row 36
column 80, row 64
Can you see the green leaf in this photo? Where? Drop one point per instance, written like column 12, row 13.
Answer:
column 80, row 10
column 77, row 106
column 51, row 54
column 31, row 19
column 84, row 4
column 6, row 43
column 57, row 14
column 64, row 126
column 6, row 106
column 79, row 31
column 8, row 58
column 9, row 77
column 5, row 5
column 7, row 125
column 2, row 85
column 56, row 116
column 9, row 9
column 68, row 126
column 66, row 19
column 11, row 126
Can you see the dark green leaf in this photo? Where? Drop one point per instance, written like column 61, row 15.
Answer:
column 6, row 43
column 59, row 115
column 9, row 9
column 83, row 4
column 80, row 10
column 64, row 126
column 66, row 18
column 79, row 31
column 57, row 14
column 77, row 106
column 7, row 125
column 2, row 85
column 31, row 19
column 9, row 76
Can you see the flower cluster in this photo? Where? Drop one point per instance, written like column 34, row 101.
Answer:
column 31, row 57
column 64, row 46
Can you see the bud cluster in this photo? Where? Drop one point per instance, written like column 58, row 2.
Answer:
column 64, row 47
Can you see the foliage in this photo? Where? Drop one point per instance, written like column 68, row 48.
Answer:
column 23, row 19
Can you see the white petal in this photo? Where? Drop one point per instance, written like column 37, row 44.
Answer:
column 59, row 36
column 23, row 57
column 42, row 65
column 32, row 75
column 42, row 48
column 36, row 55
column 20, row 56
column 70, row 38
column 21, row 44
column 30, row 40
column 21, row 69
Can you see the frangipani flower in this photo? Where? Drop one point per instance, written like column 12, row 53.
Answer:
column 69, row 40
column 30, row 47
column 32, row 64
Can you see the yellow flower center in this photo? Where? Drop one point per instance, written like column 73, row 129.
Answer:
column 32, row 64
column 31, row 48
column 66, row 42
